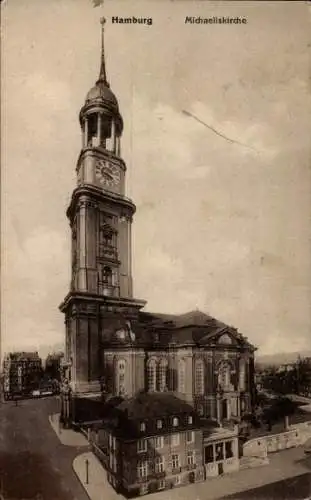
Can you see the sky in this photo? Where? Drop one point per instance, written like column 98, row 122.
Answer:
column 219, row 226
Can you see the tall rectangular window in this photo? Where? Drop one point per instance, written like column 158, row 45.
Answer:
column 175, row 461
column 142, row 445
column 158, row 442
column 190, row 437
column 162, row 382
column 190, row 458
column 159, row 464
column 142, row 469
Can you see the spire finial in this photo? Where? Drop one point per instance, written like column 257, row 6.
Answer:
column 102, row 73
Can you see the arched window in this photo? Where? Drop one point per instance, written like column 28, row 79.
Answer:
column 152, row 374
column 181, row 375
column 120, row 371
column 162, row 381
column 107, row 276
column 199, row 376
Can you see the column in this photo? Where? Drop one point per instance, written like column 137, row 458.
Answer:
column 82, row 249
column 218, row 410
column 118, row 146
column 129, row 257
column 99, row 129
column 86, row 132
column 113, row 136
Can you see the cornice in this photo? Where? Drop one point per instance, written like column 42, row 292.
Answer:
column 92, row 194
column 74, row 297
column 102, row 154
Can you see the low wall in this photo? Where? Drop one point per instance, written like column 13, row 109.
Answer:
column 228, row 465
column 296, row 435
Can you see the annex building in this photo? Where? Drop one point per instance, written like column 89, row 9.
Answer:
column 162, row 393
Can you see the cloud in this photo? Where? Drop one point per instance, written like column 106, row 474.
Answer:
column 33, row 285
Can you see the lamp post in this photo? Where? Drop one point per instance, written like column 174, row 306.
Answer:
column 65, row 397
column 87, row 463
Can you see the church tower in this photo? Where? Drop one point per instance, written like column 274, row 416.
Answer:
column 100, row 215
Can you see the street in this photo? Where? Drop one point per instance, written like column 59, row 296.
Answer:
column 295, row 488
column 33, row 463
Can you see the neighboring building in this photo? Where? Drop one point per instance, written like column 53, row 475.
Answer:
column 116, row 350
column 287, row 367
column 155, row 441
column 22, row 373
column 53, row 365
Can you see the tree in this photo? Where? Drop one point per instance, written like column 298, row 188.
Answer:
column 280, row 409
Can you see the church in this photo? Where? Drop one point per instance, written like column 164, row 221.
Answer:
column 131, row 376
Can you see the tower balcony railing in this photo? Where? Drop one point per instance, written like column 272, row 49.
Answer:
column 111, row 291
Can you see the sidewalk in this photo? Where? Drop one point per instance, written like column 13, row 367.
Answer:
column 282, row 465
column 67, row 437
column 97, row 486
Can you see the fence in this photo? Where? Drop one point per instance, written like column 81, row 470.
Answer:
column 297, row 435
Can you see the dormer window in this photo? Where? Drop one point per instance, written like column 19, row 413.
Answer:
column 190, row 420
column 142, row 427
column 159, row 424
column 175, row 422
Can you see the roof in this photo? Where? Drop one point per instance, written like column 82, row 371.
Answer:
column 25, row 356
column 102, row 92
column 167, row 330
column 149, row 405
column 124, row 417
column 193, row 327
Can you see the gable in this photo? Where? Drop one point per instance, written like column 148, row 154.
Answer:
column 225, row 337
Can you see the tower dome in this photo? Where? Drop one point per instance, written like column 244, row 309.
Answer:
column 99, row 117
column 101, row 92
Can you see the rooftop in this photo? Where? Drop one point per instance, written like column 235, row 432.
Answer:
column 149, row 405
column 191, row 328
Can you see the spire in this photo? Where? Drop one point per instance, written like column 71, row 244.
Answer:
column 102, row 74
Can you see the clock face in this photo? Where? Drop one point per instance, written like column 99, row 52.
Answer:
column 107, row 174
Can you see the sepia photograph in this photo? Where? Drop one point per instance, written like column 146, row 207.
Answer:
column 156, row 250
